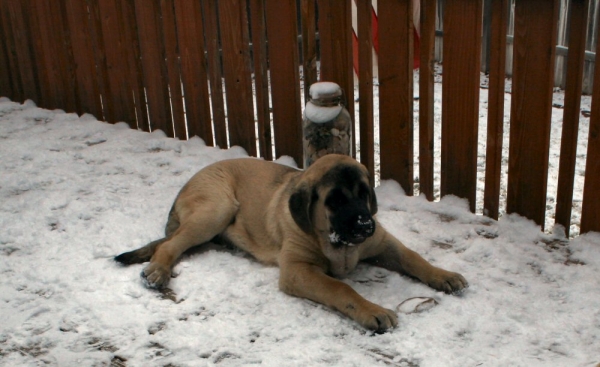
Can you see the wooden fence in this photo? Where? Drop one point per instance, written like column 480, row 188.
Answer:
column 165, row 64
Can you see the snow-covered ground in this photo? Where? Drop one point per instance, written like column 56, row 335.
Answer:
column 75, row 191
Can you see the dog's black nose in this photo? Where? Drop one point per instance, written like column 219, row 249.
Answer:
column 364, row 226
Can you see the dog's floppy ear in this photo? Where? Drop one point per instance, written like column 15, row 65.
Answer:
column 373, row 202
column 300, row 205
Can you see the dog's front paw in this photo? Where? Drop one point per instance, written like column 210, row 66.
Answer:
column 377, row 318
column 447, row 281
column 156, row 276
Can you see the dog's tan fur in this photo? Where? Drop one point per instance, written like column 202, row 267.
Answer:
column 254, row 205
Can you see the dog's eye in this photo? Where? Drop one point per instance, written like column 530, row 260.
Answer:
column 336, row 199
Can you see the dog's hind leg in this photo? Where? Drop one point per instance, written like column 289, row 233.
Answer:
column 201, row 221
column 140, row 255
column 145, row 253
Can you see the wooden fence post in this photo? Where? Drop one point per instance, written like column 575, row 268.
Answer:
column 573, row 89
column 284, row 64
column 211, row 34
column 460, row 98
column 495, row 126
column 17, row 32
column 396, row 92
column 335, row 32
column 78, row 21
column 365, row 86
column 590, row 212
column 426, row 92
column 190, row 37
column 152, row 49
column 233, row 22
column 531, row 109
column 52, row 48
column 261, row 77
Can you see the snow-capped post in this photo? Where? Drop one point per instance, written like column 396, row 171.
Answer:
column 326, row 123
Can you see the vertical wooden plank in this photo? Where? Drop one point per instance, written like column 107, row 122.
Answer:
column 190, row 35
column 531, row 108
column 396, row 92
column 119, row 102
column 53, row 52
column 78, row 20
column 460, row 98
column 285, row 92
column 309, row 45
column 573, row 89
column 167, row 8
column 335, row 32
column 261, row 77
column 237, row 71
column 6, row 82
column 215, row 74
column 590, row 211
column 426, row 92
column 99, row 53
column 365, row 86
column 495, row 126
column 147, row 13
column 132, row 56
column 20, row 57
column 12, row 65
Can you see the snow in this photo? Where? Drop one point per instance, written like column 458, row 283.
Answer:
column 321, row 114
column 74, row 192
column 323, row 89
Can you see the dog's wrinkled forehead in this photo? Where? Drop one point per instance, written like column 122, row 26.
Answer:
column 344, row 176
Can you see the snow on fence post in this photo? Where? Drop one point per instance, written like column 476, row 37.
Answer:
column 531, row 108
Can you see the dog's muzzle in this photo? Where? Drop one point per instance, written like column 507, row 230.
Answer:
column 356, row 232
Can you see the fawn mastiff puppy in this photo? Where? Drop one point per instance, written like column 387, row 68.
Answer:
column 316, row 225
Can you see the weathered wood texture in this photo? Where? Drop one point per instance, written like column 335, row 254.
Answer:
column 335, row 32
column 396, row 92
column 190, row 37
column 460, row 98
column 284, row 65
column 365, row 86
column 426, row 95
column 532, row 84
column 495, row 122
column 590, row 213
column 237, row 71
column 229, row 71
column 573, row 89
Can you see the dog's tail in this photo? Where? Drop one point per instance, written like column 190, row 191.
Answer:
column 140, row 255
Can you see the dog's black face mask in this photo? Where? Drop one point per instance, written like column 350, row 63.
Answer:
column 349, row 215
column 349, row 202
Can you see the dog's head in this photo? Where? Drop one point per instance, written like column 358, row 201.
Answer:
column 334, row 197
